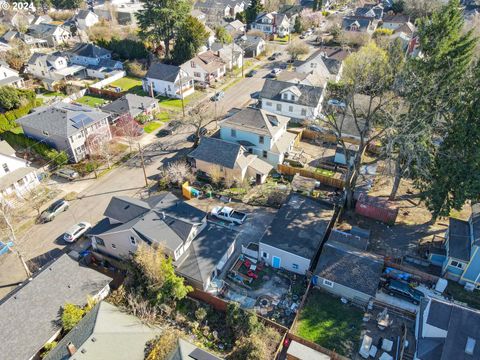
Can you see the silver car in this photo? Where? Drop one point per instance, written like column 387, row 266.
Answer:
column 76, row 231
column 53, row 210
column 68, row 174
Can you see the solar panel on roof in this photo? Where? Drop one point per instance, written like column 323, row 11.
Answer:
column 81, row 120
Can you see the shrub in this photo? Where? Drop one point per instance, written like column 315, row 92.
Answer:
column 135, row 68
column 126, row 49
column 382, row 32
column 47, row 348
column 161, row 347
column 71, row 316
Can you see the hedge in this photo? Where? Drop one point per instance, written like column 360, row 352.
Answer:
column 126, row 49
column 7, row 119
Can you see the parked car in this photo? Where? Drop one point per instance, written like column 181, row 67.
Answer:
column 67, row 173
column 164, row 132
column 228, row 214
column 251, row 73
column 76, row 231
column 337, row 103
column 193, row 137
column 315, row 128
column 275, row 56
column 53, row 210
column 402, row 289
column 218, row 96
column 276, row 71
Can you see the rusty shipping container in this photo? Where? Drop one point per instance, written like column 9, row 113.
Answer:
column 376, row 208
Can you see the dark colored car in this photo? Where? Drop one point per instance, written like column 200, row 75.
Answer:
column 251, row 73
column 274, row 56
column 164, row 132
column 402, row 289
column 193, row 137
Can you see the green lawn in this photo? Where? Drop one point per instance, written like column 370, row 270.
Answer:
column 173, row 104
column 92, row 100
column 151, row 126
column 163, row 116
column 329, row 323
column 460, row 294
column 131, row 84
column 53, row 93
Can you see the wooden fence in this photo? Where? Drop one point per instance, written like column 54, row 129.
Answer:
column 315, row 135
column 336, row 181
column 113, row 95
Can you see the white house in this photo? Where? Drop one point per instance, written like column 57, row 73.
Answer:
column 168, row 80
column 16, row 176
column 86, row 19
column 320, row 68
column 231, row 54
column 51, row 68
column 205, row 68
column 54, row 34
column 299, row 101
column 272, row 23
column 251, row 45
column 394, row 21
column 262, row 133
column 9, row 77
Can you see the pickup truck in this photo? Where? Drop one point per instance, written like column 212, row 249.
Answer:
column 228, row 214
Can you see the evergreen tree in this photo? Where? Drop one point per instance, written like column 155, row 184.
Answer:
column 190, row 37
column 222, row 35
column 298, row 26
column 160, row 20
column 253, row 10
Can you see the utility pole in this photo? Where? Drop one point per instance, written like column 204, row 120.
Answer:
column 181, row 92
column 143, row 164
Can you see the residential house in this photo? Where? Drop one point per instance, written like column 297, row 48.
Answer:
column 359, row 24
column 231, row 54
column 293, row 239
column 298, row 351
column 199, row 249
column 445, row 331
column 460, row 256
column 346, row 269
column 235, row 27
column 230, row 160
column 51, row 68
column 30, row 314
column 374, row 11
column 321, row 68
column 67, row 127
column 251, row 45
column 85, row 19
column 9, row 77
column 168, row 80
column 17, row 19
column 218, row 10
column 30, row 41
column 54, row 34
column 17, row 177
column 294, row 77
column 394, row 21
column 205, row 68
column 132, row 105
column 199, row 15
column 97, row 60
column 40, row 19
column 97, row 336
column 297, row 101
column 262, row 133
column 272, row 24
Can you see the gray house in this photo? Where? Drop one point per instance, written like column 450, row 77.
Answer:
column 347, row 271
column 294, row 237
column 30, row 314
column 67, row 127
column 131, row 104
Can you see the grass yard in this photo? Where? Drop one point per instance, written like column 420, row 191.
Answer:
column 53, row 94
column 131, row 84
column 162, row 116
column 151, row 126
column 460, row 294
column 325, row 172
column 329, row 323
column 92, row 100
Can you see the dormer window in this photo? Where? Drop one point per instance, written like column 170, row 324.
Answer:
column 192, row 64
column 292, row 97
column 285, row 96
column 261, row 139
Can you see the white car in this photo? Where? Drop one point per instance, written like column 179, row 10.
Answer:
column 76, row 231
column 228, row 214
column 276, row 71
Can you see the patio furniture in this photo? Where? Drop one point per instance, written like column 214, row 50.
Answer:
column 373, row 351
column 251, row 274
column 387, row 345
column 365, row 347
column 247, row 263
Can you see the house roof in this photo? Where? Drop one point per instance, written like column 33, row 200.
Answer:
column 310, row 95
column 257, row 121
column 43, row 30
column 459, row 239
column 362, row 22
column 370, row 11
column 6, row 149
column 459, row 322
column 350, row 267
column 247, row 41
column 163, row 72
column 217, row 151
column 348, row 239
column 89, row 50
column 205, row 252
column 407, row 28
column 395, row 18
column 331, row 60
column 302, row 352
column 62, row 119
column 299, row 226
column 106, row 332
column 475, row 221
column 208, row 61
column 124, row 208
column 236, row 24
column 292, row 76
column 187, row 351
column 13, row 176
column 130, row 103
column 30, row 314
column 83, row 14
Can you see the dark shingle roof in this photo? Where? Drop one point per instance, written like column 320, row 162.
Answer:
column 299, row 226
column 257, row 121
column 130, row 103
column 475, row 220
column 205, row 252
column 30, row 314
column 459, row 239
column 217, row 151
column 90, row 50
column 62, row 119
column 310, row 95
column 362, row 22
column 349, row 267
column 348, row 239
column 163, row 72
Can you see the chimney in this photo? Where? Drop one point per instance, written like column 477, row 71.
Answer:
column 71, row 349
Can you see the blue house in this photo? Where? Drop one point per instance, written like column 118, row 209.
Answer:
column 461, row 259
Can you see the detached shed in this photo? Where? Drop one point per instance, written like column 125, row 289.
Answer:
column 376, row 208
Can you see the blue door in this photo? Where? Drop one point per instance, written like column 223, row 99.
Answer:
column 276, row 262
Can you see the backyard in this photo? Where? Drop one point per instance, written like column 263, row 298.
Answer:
column 130, row 84
column 328, row 322
column 92, row 100
column 472, row 298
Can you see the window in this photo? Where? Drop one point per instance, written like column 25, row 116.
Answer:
column 114, row 246
column 99, row 242
column 290, row 108
column 169, row 88
column 265, row 154
column 304, row 112
column 192, row 64
column 264, row 255
column 197, row 74
column 328, row 283
column 5, row 167
column 456, row 264
column 132, row 240
column 250, row 150
column 295, row 266
column 269, row 103
column 285, row 96
column 233, row 132
column 261, row 139
column 292, row 97
column 279, row 107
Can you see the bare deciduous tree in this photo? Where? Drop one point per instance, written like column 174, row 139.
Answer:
column 100, row 147
column 178, row 172
column 200, row 117
column 297, row 48
column 127, row 128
